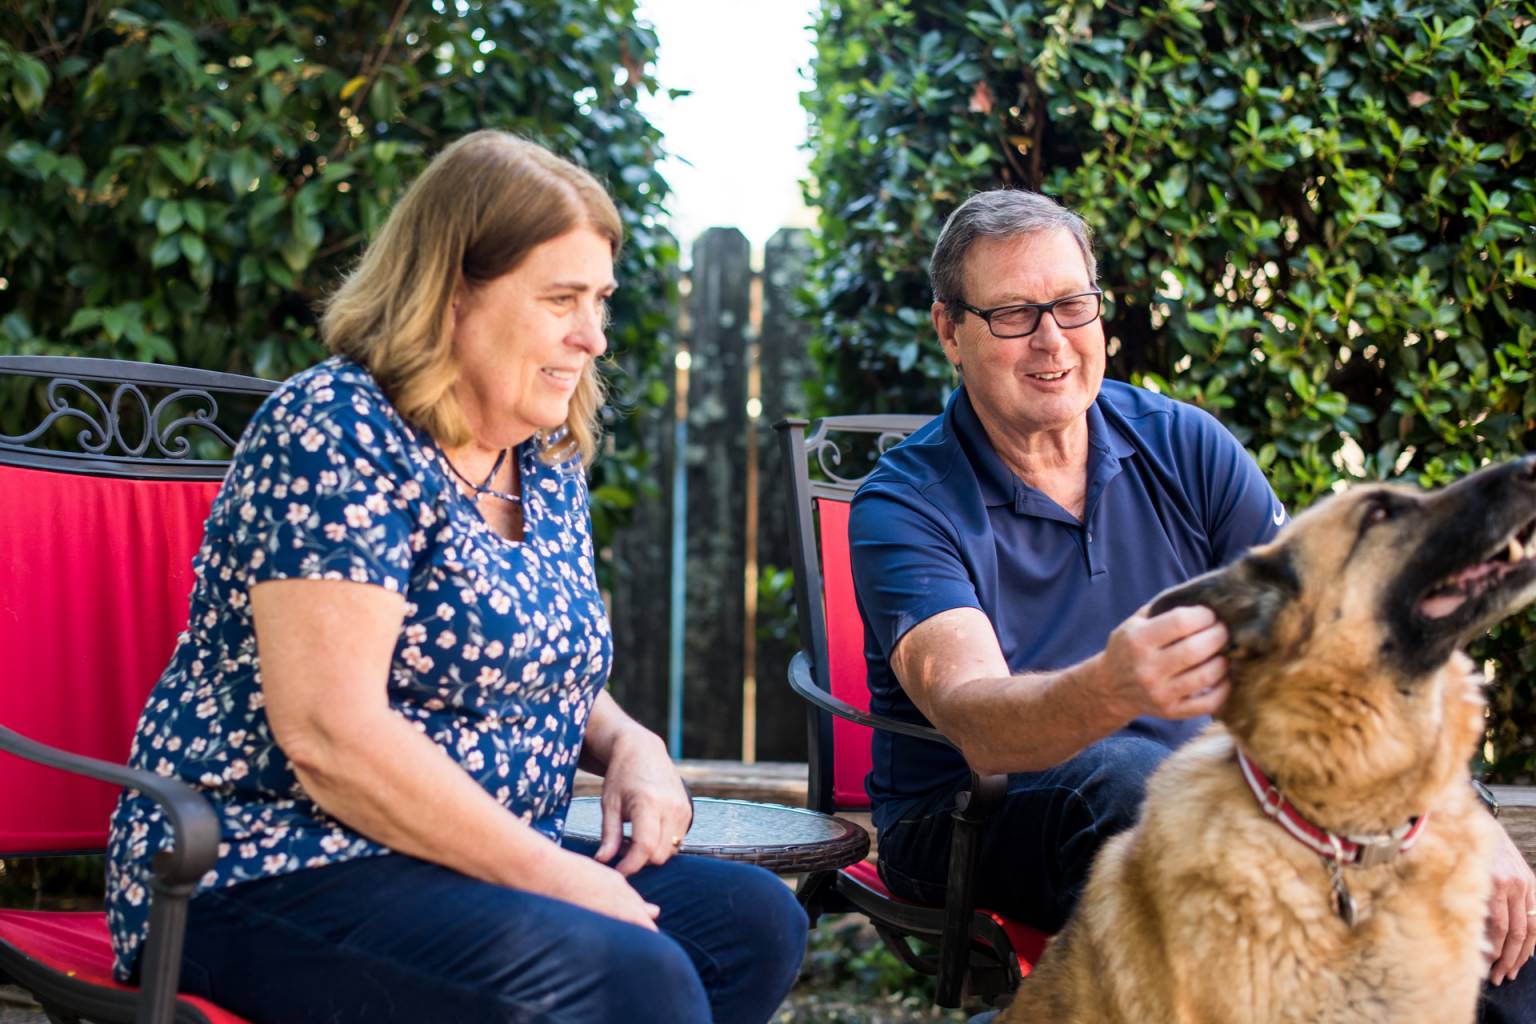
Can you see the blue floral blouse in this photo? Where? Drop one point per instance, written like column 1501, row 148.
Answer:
column 504, row 648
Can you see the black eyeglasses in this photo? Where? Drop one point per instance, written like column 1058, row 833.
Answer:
column 1023, row 318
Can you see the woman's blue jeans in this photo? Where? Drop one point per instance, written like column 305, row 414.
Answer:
column 1037, row 850
column 396, row 939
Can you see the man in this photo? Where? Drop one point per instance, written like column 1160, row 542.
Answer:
column 1002, row 555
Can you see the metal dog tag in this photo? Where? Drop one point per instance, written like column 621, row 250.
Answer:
column 1343, row 902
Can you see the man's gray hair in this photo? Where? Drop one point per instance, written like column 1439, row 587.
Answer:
column 999, row 213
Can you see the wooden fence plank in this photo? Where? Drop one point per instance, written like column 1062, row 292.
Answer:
column 640, row 560
column 640, row 603
column 716, row 462
column 784, row 360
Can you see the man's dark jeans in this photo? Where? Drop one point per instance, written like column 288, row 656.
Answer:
column 1037, row 850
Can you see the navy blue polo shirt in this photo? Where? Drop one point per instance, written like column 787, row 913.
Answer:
column 943, row 523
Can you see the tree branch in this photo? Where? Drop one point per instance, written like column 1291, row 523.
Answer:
column 372, row 65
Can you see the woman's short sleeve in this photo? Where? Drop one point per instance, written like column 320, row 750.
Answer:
column 324, row 490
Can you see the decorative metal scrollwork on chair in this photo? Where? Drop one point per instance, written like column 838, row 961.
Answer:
column 123, row 418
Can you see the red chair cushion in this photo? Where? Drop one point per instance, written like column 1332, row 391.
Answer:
column 76, row 945
column 851, row 756
column 1028, row 943
column 95, row 573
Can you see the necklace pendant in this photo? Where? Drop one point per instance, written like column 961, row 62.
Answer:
column 484, row 489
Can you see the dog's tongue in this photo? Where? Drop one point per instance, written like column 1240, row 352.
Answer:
column 1441, row 604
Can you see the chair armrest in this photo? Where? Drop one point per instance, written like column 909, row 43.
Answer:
column 193, row 823
column 194, row 850
column 973, row 806
column 801, row 681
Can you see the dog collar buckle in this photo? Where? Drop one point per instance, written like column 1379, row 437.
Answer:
column 1376, row 851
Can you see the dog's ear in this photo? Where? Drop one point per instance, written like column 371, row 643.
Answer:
column 1246, row 596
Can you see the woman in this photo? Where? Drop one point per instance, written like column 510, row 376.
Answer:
column 396, row 656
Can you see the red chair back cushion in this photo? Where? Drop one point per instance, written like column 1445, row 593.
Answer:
column 95, row 575
column 851, row 756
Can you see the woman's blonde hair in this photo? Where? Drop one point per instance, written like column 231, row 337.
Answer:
column 475, row 213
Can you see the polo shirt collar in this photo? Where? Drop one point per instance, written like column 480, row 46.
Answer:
column 1107, row 444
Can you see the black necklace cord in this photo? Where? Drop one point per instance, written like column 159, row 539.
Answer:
column 484, row 488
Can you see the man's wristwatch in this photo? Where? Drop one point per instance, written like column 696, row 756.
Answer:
column 1486, row 796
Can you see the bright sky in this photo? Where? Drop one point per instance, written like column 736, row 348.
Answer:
column 737, row 139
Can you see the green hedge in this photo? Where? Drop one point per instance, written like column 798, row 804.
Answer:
column 183, row 182
column 1317, row 220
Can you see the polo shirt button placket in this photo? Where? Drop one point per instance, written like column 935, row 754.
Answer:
column 1095, row 562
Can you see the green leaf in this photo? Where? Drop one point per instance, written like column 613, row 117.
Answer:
column 185, row 170
column 14, row 326
column 296, row 254
column 83, row 320
column 114, row 322
column 245, row 171
column 193, row 247
column 192, row 210
column 268, row 60
column 30, row 79
column 979, row 155
column 1460, row 27
column 154, row 348
column 166, row 251
column 381, row 100
column 169, row 220
column 614, row 497
column 1221, row 99
column 250, row 270
column 1171, row 189
column 72, row 170
column 308, row 231
column 22, row 153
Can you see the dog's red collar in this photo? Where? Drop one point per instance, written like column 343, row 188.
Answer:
column 1355, row 850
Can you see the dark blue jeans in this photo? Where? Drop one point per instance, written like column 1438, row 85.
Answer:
column 1037, row 850
column 395, row 939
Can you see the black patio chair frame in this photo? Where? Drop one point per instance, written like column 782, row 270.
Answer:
column 95, row 393
column 974, row 954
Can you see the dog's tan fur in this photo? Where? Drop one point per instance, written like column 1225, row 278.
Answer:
column 1207, row 912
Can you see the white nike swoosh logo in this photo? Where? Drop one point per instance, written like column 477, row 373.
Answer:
column 1278, row 516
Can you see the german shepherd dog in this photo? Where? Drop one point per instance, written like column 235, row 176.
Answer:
column 1318, row 855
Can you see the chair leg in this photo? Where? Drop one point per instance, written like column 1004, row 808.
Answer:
column 812, row 890
column 160, row 970
column 972, row 809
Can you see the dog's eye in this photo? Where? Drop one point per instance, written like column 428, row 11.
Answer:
column 1377, row 514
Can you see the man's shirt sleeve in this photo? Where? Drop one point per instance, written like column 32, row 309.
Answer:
column 907, row 562
column 1241, row 507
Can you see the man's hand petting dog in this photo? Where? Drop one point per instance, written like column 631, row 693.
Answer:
column 1166, row 666
column 1511, row 912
